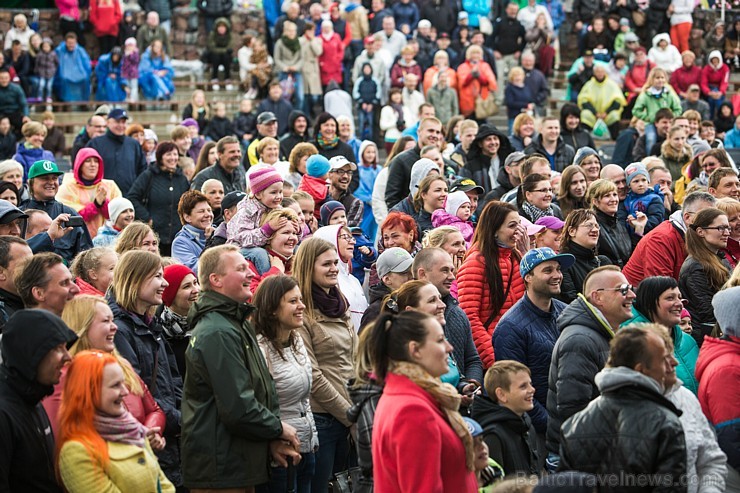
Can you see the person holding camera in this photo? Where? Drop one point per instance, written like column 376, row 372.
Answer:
column 43, row 186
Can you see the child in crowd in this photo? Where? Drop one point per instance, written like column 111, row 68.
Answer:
column 229, row 206
column 47, row 63
column 487, row 472
column 150, row 146
column 457, row 213
column 121, row 212
column 624, row 28
column 641, row 200
column 196, row 141
column 368, row 169
column 365, row 255
column 130, row 69
column 244, row 230
column 366, row 94
column 180, row 135
column 219, row 126
column 307, row 205
column 314, row 181
column 685, row 322
column 8, row 142
column 245, row 121
column 507, row 429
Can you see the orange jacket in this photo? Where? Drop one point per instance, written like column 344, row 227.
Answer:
column 475, row 296
column 469, row 87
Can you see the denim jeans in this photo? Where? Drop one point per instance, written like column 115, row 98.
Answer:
column 651, row 137
column 298, row 84
column 333, row 453
column 303, row 475
column 44, row 90
column 714, row 104
column 259, row 257
column 365, row 129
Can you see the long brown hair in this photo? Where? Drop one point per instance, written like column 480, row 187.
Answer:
column 697, row 247
column 424, row 186
column 267, row 299
column 491, row 219
column 566, row 201
column 203, row 157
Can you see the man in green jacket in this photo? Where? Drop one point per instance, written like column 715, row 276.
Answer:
column 231, row 426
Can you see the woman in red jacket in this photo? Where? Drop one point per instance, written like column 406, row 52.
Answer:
column 715, row 77
column 91, row 318
column 474, row 78
column 330, row 61
column 489, row 282
column 105, row 17
column 419, row 441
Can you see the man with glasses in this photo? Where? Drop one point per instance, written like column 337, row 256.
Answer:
column 340, row 177
column 586, row 326
column 662, row 251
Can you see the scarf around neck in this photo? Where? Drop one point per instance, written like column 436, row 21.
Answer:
column 535, row 212
column 447, row 398
column 327, row 145
column 120, row 429
column 332, row 304
column 292, row 44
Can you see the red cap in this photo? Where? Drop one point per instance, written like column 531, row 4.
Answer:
column 174, row 274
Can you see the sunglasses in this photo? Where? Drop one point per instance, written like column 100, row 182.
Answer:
column 623, row 289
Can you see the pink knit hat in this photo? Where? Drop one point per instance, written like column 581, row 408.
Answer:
column 263, row 178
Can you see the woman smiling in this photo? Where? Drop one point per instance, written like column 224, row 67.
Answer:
column 534, row 198
column 280, row 245
column 197, row 225
column 572, row 193
column 614, row 239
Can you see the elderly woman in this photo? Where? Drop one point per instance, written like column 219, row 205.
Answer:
column 31, row 149
column 214, row 191
column 12, row 171
column 441, row 64
column 614, row 239
column 156, row 193
column 196, row 217
column 330, row 60
column 156, row 73
column 475, row 78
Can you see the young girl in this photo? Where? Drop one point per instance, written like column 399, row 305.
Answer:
column 244, row 229
column 393, row 118
column 93, row 270
column 368, row 169
column 457, row 213
column 365, row 255
column 47, row 63
column 314, row 181
column 656, row 94
column 130, row 69
column 643, row 209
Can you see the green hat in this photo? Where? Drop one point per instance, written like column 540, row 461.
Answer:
column 43, row 167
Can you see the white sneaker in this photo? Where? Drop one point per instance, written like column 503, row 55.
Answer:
column 229, row 87
column 216, row 87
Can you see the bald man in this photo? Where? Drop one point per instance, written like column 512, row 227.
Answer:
column 615, row 174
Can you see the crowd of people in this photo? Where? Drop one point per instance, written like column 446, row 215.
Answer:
column 264, row 303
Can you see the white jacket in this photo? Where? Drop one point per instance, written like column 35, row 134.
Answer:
column 380, row 208
column 669, row 59
column 706, row 463
column 682, row 10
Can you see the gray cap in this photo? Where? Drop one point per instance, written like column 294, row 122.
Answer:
column 514, row 157
column 726, row 304
column 9, row 212
column 393, row 260
column 631, row 37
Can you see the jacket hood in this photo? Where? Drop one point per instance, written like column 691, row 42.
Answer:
column 661, row 37
column 489, row 413
column 359, row 396
column 293, row 117
column 717, row 54
column 581, row 312
column 82, row 155
column 222, row 20
column 505, row 147
column 713, row 348
column 419, row 171
column 210, row 301
column 610, row 379
column 364, row 145
column 378, row 292
column 331, row 234
column 677, row 221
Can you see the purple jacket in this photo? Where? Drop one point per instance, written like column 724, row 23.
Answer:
column 130, row 66
column 441, row 217
column 244, row 228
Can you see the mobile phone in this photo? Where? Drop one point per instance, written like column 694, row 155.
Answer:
column 74, row 222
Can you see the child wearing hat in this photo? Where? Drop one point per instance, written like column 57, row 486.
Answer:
column 314, row 181
column 246, row 229
column 333, row 212
column 457, row 213
column 121, row 212
column 643, row 201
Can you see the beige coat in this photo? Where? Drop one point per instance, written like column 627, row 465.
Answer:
column 310, row 52
column 331, row 344
column 358, row 23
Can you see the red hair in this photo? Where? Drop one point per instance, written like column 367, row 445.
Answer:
column 397, row 219
column 80, row 398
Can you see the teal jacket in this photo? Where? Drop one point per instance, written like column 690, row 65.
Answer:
column 685, row 351
column 230, row 409
column 647, row 105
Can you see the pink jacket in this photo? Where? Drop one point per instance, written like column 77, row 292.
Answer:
column 244, row 228
column 441, row 217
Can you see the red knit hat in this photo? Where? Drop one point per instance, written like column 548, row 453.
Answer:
column 174, row 274
column 263, row 178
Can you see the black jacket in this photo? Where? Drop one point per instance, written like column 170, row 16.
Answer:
column 27, row 454
column 508, row 35
column 478, row 164
column 579, row 354
column 586, row 261
column 364, row 401
column 290, row 139
column 232, row 182
column 624, row 145
column 281, row 108
column 343, row 149
column 442, row 15
column 70, row 244
column 577, row 138
column 81, row 140
column 614, row 240
column 9, row 304
column 504, row 185
column 219, row 127
column 511, row 439
column 631, row 430
column 399, row 176
column 376, row 295
column 639, row 152
column 697, row 289
column 564, row 153
column 245, row 123
column 422, row 218
column 155, row 195
column 8, row 144
column 145, row 347
column 123, row 159
column 585, row 10
column 555, row 212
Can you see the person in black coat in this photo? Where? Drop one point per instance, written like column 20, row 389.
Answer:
column 156, row 194
column 615, row 242
column 35, row 344
column 277, row 105
column 571, row 130
column 297, row 132
column 481, row 154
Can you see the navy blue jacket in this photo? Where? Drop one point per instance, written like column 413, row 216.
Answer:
column 527, row 334
column 69, row 245
column 123, row 159
column 516, row 99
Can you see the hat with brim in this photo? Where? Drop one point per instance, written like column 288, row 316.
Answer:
column 466, row 185
column 43, row 167
column 532, row 229
column 536, row 256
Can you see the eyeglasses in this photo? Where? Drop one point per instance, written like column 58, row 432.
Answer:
column 543, row 190
column 623, row 289
column 721, row 229
column 342, row 172
column 347, row 238
column 590, row 226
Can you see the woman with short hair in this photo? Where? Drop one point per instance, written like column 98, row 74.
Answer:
column 614, row 239
column 196, row 217
column 31, row 149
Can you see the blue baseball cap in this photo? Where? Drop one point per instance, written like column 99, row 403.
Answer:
column 474, row 427
column 536, row 256
column 118, row 114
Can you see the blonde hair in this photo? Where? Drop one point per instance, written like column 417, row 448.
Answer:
column 466, row 124
column 33, row 128
column 78, row 314
column 303, row 267
column 210, row 263
column 266, row 141
column 515, row 71
column 435, row 238
column 133, row 269
column 285, row 212
column 651, row 78
column 300, row 150
column 132, row 236
column 597, row 189
column 651, row 162
column 89, row 260
column 520, row 120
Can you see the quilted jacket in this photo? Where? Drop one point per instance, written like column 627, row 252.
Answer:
column 475, row 297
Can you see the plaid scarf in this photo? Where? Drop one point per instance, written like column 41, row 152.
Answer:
column 120, row 429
